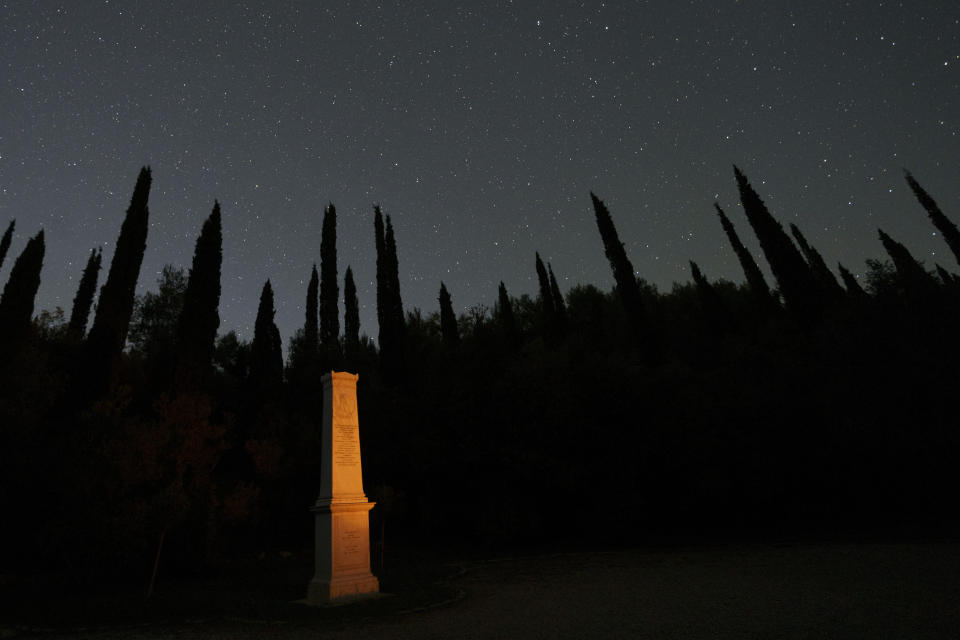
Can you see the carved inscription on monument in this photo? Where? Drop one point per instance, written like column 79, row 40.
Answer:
column 353, row 544
column 346, row 445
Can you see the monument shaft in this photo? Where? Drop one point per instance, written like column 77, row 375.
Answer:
column 341, row 513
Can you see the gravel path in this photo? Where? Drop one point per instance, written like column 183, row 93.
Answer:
column 828, row 591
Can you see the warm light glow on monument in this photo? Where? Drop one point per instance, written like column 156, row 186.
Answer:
column 342, row 520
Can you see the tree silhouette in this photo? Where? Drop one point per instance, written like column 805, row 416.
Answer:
column 329, row 292
column 547, row 308
column 756, row 281
column 351, row 320
column 200, row 317
column 946, row 227
column 266, row 352
column 714, row 311
column 626, row 281
column 854, row 289
column 559, row 308
column 16, row 303
column 311, row 331
column 115, row 306
column 155, row 320
column 448, row 320
column 382, row 284
column 389, row 304
column 393, row 272
column 828, row 281
column 949, row 279
column 910, row 272
column 6, row 240
column 304, row 353
column 505, row 315
column 793, row 276
column 84, row 298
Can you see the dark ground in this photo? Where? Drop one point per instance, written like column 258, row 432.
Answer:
column 809, row 590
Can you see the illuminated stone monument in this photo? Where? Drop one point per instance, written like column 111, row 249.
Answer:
column 342, row 511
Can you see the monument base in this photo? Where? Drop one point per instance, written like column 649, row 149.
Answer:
column 321, row 592
column 342, row 543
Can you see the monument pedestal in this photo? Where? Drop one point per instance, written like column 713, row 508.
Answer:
column 342, row 544
column 342, row 512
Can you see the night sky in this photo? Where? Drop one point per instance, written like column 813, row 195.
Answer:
column 479, row 127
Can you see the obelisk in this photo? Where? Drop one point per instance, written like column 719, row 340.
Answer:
column 342, row 511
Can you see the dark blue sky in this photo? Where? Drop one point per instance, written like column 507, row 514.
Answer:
column 480, row 127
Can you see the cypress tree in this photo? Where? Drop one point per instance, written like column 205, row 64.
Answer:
column 16, row 303
column 854, row 290
column 794, row 277
column 547, row 308
column 911, row 273
column 382, row 285
column 304, row 365
column 6, row 240
column 559, row 308
column 266, row 353
column 389, row 303
column 505, row 314
column 84, row 298
column 946, row 227
column 200, row 317
column 311, row 332
column 393, row 265
column 949, row 279
column 351, row 320
column 756, row 281
column 115, row 306
column 448, row 321
column 714, row 311
column 329, row 292
column 828, row 282
column 626, row 282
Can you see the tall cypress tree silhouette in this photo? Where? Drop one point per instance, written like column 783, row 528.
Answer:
column 382, row 295
column 949, row 279
column 826, row 279
column 714, row 310
column 448, row 321
column 266, row 352
column 505, row 314
column 351, row 321
column 329, row 292
column 16, row 303
column 943, row 224
column 559, row 308
column 389, row 303
column 911, row 273
column 547, row 307
column 6, row 240
column 115, row 306
column 756, row 281
column 854, row 290
column 796, row 281
column 311, row 328
column 393, row 271
column 84, row 298
column 200, row 317
column 626, row 282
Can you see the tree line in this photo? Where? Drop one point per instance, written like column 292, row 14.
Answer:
column 714, row 406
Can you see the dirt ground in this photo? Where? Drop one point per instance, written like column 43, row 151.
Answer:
column 759, row 591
